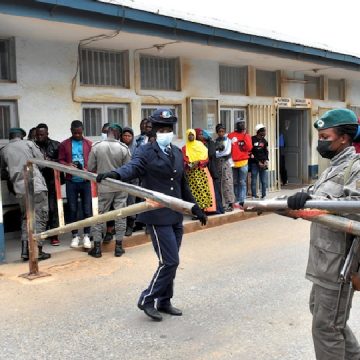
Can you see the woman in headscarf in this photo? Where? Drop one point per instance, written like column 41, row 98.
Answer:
column 198, row 176
column 205, row 137
column 223, row 165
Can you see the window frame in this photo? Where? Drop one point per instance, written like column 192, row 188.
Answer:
column 125, row 70
column 176, row 76
column 341, row 84
column 277, row 83
column 11, row 55
column 245, row 80
column 104, row 114
column 14, row 117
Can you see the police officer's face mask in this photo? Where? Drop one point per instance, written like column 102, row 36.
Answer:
column 164, row 139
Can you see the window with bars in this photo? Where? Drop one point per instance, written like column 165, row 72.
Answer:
column 104, row 68
column 266, row 83
column 312, row 87
column 96, row 115
column 336, row 90
column 147, row 110
column 7, row 60
column 160, row 73
column 233, row 79
column 8, row 118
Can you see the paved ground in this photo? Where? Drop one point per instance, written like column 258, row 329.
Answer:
column 241, row 287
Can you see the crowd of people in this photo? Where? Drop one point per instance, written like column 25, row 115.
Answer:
column 215, row 169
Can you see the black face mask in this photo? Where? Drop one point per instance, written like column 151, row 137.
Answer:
column 323, row 149
column 240, row 127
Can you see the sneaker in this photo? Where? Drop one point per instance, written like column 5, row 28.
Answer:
column 55, row 242
column 86, row 242
column 75, row 242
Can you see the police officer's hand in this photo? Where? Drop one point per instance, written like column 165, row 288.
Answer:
column 108, row 175
column 298, row 200
column 199, row 214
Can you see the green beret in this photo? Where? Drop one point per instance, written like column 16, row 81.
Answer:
column 17, row 130
column 115, row 127
column 336, row 117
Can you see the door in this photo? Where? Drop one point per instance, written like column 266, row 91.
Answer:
column 293, row 128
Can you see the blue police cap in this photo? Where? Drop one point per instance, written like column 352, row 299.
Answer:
column 163, row 117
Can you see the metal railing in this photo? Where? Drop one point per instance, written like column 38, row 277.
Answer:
column 154, row 201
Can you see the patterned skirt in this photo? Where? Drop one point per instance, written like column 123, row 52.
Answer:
column 200, row 188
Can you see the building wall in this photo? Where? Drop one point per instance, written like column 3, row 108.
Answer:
column 43, row 89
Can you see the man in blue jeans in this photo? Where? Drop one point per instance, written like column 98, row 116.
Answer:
column 259, row 160
column 75, row 152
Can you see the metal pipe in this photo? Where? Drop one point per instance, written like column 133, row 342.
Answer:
column 171, row 202
column 110, row 215
column 30, row 218
column 336, row 206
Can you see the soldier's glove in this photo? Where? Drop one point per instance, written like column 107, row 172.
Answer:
column 199, row 214
column 108, row 175
column 297, row 201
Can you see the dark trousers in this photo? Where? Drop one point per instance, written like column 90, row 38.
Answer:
column 73, row 191
column 166, row 240
column 283, row 171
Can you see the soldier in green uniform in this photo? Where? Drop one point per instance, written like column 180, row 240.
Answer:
column 337, row 129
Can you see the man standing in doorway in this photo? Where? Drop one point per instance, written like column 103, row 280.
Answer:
column 240, row 151
column 75, row 152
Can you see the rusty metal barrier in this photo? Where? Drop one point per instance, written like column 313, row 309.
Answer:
column 154, row 201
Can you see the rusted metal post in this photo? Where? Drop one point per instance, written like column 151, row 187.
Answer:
column 31, row 224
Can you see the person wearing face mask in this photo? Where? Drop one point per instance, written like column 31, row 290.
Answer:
column 241, row 147
column 337, row 129
column 259, row 160
column 160, row 166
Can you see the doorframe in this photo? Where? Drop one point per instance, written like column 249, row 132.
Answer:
column 305, row 117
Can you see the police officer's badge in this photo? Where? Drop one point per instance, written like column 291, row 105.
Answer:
column 320, row 123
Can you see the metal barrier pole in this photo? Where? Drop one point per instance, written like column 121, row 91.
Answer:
column 31, row 224
column 110, row 215
column 60, row 204
column 166, row 200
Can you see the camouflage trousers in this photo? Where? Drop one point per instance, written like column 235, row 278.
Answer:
column 41, row 214
column 332, row 343
column 117, row 200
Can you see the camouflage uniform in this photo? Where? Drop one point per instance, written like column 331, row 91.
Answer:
column 13, row 159
column 106, row 155
column 328, row 249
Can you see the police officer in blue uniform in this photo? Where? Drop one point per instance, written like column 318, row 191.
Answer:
column 160, row 166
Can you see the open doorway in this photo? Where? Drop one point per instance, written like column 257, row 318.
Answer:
column 293, row 143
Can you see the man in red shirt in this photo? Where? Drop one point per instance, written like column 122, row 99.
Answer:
column 241, row 146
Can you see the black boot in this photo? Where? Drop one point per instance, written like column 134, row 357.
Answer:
column 118, row 248
column 43, row 255
column 96, row 250
column 25, row 250
column 129, row 231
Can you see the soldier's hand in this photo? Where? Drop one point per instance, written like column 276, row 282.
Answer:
column 355, row 278
column 298, row 200
column 108, row 175
column 199, row 214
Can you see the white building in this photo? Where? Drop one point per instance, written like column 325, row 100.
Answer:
column 102, row 62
